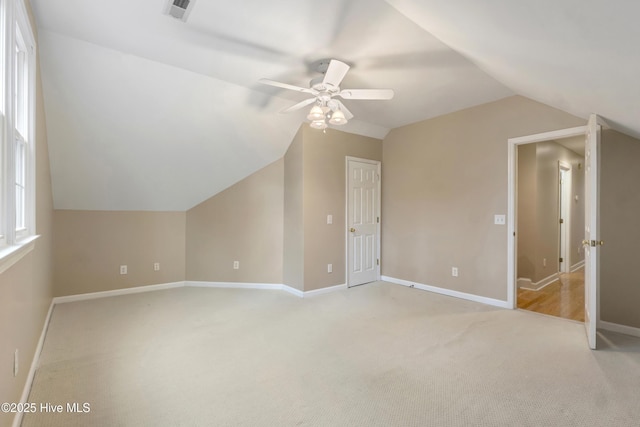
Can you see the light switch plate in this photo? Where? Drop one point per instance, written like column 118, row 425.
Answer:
column 329, row 219
column 500, row 219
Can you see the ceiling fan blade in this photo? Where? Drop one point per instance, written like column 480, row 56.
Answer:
column 335, row 73
column 347, row 114
column 299, row 105
column 287, row 86
column 373, row 94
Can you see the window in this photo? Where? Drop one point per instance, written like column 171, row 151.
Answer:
column 17, row 124
column 21, row 124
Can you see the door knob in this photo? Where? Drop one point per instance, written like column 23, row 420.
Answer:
column 353, row 230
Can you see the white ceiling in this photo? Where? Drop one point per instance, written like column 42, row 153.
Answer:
column 580, row 56
column 573, row 143
column 145, row 112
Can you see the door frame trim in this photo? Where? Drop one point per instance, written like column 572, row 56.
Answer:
column 346, row 213
column 564, row 198
column 512, row 189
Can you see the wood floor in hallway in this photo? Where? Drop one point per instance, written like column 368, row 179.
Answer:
column 562, row 298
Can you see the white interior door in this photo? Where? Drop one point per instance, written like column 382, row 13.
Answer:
column 591, row 242
column 363, row 220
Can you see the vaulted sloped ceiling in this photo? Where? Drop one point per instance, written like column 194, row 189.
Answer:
column 145, row 112
column 580, row 56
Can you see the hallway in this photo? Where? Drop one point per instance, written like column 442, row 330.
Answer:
column 562, row 298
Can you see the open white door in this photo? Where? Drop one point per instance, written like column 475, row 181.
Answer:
column 363, row 221
column 591, row 241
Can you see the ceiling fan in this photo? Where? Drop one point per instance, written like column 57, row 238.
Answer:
column 324, row 89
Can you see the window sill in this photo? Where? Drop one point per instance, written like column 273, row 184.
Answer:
column 9, row 255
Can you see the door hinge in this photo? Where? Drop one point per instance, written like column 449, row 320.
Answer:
column 561, row 221
column 378, row 220
column 561, row 260
column 378, row 261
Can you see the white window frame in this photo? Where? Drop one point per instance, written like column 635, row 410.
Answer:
column 15, row 243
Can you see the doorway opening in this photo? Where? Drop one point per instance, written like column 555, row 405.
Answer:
column 547, row 194
column 550, row 223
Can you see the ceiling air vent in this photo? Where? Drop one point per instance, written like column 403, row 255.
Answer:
column 179, row 9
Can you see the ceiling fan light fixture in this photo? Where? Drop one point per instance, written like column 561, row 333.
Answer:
column 318, row 124
column 316, row 113
column 324, row 90
column 338, row 118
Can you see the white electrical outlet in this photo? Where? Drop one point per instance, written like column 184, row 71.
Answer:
column 454, row 271
column 123, row 269
column 156, row 266
column 329, row 268
column 236, row 265
column 15, row 363
column 329, row 219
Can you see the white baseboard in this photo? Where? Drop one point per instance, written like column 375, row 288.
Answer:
column 230, row 285
column 116, row 292
column 542, row 283
column 524, row 282
column 294, row 291
column 325, row 290
column 233, row 285
column 17, row 419
column 240, row 285
column 577, row 266
column 622, row 329
column 278, row 286
column 448, row 292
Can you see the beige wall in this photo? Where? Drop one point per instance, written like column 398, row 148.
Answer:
column 324, row 194
column 538, row 198
column 275, row 221
column 293, row 257
column 550, row 153
column 90, row 246
column 547, row 210
column 619, row 213
column 577, row 209
column 243, row 223
column 527, row 212
column 26, row 288
column 443, row 180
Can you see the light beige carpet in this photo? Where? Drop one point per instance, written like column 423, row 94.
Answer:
column 375, row 355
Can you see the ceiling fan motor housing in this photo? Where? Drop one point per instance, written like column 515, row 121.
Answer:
column 319, row 85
